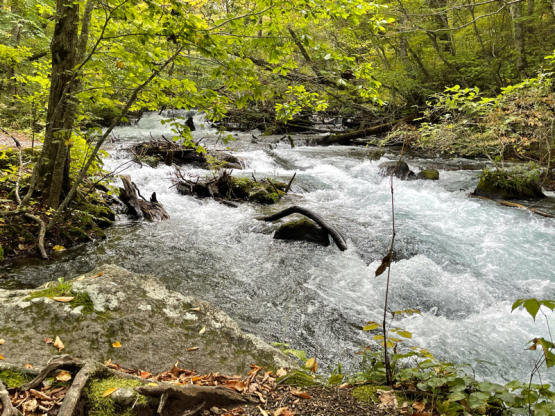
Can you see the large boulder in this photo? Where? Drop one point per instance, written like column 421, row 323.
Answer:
column 155, row 326
column 303, row 230
column 402, row 172
column 488, row 189
column 428, row 174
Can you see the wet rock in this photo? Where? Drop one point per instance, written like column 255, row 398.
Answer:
column 402, row 172
column 263, row 196
column 155, row 326
column 428, row 174
column 489, row 189
column 302, row 230
column 190, row 123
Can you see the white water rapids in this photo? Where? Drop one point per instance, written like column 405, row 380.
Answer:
column 461, row 261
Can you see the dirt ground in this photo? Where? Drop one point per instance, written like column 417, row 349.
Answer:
column 25, row 139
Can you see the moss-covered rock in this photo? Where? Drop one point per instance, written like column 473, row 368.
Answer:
column 297, row 379
column 489, row 189
column 107, row 406
column 236, row 188
column 151, row 161
column 76, row 234
column 302, row 230
column 155, row 326
column 261, row 195
column 103, row 215
column 428, row 174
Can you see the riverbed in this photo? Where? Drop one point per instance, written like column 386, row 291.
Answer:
column 462, row 262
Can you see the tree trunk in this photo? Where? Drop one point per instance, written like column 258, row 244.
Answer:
column 54, row 163
column 518, row 35
column 16, row 36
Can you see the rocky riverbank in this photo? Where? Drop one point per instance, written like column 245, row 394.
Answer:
column 131, row 319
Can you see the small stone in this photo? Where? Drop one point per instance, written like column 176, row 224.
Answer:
column 217, row 411
column 124, row 396
column 401, row 169
column 303, row 230
column 37, row 300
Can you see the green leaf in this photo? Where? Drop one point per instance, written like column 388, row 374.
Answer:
column 301, row 355
column 477, row 399
column 532, row 306
column 512, row 385
column 457, row 395
column 370, row 327
column 404, row 334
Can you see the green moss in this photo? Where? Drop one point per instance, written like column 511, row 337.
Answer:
column 262, row 196
column 65, row 289
column 368, row 393
column 429, row 174
column 1, row 254
column 105, row 406
column 13, row 379
column 76, row 234
column 297, row 379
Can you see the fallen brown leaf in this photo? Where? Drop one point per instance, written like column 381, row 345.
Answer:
column 283, row 411
column 419, row 406
column 202, row 330
column 1, row 358
column 422, row 414
column 344, row 386
column 109, row 391
column 63, row 376
column 264, row 413
column 48, row 340
column 387, row 399
column 2, row 341
column 195, row 309
column 63, row 298
column 281, row 372
column 144, row 374
column 58, row 344
column 301, row 394
column 192, row 349
column 28, row 366
column 116, row 344
column 30, row 405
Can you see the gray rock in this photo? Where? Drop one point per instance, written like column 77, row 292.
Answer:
column 124, row 396
column 303, row 230
column 402, row 172
column 155, row 326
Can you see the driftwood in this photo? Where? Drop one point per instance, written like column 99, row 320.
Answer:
column 515, row 205
column 346, row 138
column 9, row 410
column 331, row 230
column 141, row 208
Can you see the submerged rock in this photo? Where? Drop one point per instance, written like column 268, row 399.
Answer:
column 488, row 189
column 428, row 174
column 402, row 172
column 303, row 230
column 155, row 327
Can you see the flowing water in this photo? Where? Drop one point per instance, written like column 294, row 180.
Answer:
column 461, row 261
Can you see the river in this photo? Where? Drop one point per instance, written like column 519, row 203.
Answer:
column 462, row 262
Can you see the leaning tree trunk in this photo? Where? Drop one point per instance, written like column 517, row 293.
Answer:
column 54, row 162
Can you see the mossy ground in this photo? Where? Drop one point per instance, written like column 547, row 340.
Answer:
column 105, row 406
column 297, row 379
column 368, row 394
column 13, row 379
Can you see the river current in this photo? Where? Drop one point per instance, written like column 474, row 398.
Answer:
column 462, row 262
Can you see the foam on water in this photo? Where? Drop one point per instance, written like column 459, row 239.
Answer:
column 461, row 261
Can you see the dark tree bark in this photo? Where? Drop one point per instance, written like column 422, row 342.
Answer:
column 54, row 161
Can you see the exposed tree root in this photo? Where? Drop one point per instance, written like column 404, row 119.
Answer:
column 74, row 393
column 56, row 363
column 9, row 410
column 337, row 237
column 191, row 396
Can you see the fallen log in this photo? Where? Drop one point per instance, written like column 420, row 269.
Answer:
column 140, row 208
column 331, row 230
column 346, row 138
column 192, row 396
column 514, row 205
